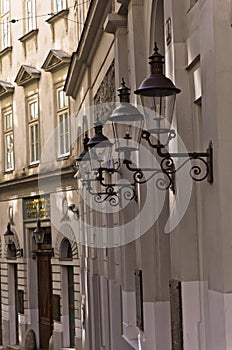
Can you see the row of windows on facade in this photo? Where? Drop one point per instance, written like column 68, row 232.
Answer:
column 63, row 129
column 30, row 16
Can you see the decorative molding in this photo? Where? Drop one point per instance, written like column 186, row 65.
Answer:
column 29, row 35
column 65, row 232
column 90, row 37
column 27, row 75
column 6, row 88
column 113, row 22
column 55, row 60
column 5, row 52
column 106, row 94
column 168, row 30
column 65, row 212
column 33, row 34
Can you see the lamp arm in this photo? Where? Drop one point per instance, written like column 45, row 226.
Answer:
column 206, row 158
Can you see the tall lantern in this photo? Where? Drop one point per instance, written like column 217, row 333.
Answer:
column 83, row 160
column 127, row 122
column 99, row 147
column 158, row 95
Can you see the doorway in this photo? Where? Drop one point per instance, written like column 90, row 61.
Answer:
column 16, row 303
column 45, row 298
column 71, row 306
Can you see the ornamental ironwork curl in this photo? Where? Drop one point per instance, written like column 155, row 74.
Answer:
column 124, row 191
column 116, row 192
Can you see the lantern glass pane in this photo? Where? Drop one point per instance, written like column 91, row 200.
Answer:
column 127, row 135
column 39, row 237
column 9, row 239
column 99, row 155
column 158, row 112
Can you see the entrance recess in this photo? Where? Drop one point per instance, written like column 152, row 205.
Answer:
column 71, row 306
column 45, row 298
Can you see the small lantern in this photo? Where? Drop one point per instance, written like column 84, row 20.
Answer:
column 99, row 147
column 83, row 160
column 9, row 236
column 39, row 233
column 127, row 122
column 158, row 93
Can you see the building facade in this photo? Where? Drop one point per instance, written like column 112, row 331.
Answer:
column 151, row 271
column 170, row 286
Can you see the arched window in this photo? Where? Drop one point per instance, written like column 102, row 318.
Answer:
column 66, row 250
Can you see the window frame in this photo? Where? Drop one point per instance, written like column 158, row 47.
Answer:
column 33, row 130
column 9, row 157
column 63, row 123
column 5, row 24
column 30, row 16
column 59, row 5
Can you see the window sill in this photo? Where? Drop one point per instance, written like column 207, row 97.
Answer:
column 8, row 171
column 33, row 165
column 6, row 51
column 65, row 259
column 59, row 15
column 33, row 33
column 63, row 157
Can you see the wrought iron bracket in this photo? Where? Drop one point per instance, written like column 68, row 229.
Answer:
column 115, row 193
column 165, row 174
column 205, row 160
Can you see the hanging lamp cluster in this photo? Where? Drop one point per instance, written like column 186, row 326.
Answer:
column 96, row 163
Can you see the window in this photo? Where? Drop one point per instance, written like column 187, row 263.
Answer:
column 59, row 5
column 63, row 122
column 5, row 24
column 8, row 139
column 33, row 122
column 30, row 15
column 81, row 10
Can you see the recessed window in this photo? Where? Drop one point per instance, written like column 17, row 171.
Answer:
column 8, row 139
column 30, row 15
column 33, row 128
column 63, row 123
column 66, row 250
column 81, row 10
column 59, row 5
column 5, row 24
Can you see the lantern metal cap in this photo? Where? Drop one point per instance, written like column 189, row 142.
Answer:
column 84, row 155
column 125, row 112
column 8, row 232
column 124, row 92
column 38, row 229
column 157, row 84
column 99, row 140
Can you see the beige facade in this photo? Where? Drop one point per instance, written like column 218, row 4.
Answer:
column 40, row 284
